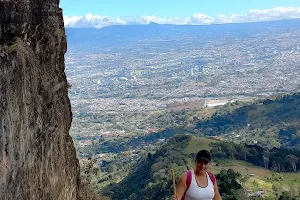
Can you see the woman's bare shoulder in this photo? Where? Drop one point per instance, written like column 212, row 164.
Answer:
column 183, row 176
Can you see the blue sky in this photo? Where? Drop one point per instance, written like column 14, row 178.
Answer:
column 167, row 8
column 101, row 13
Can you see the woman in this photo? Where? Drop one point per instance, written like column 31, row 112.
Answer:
column 198, row 184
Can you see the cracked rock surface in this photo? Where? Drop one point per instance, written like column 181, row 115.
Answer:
column 38, row 159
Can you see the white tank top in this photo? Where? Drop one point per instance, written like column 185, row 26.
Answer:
column 196, row 192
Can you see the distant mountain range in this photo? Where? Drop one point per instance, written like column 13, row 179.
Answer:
column 118, row 35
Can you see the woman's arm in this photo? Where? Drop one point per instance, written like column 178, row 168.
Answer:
column 181, row 187
column 217, row 194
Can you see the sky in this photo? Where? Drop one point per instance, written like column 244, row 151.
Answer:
column 101, row 13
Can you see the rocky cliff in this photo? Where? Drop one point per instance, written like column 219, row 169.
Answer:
column 38, row 159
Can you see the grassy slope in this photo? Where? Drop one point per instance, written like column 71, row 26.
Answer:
column 197, row 144
column 263, row 178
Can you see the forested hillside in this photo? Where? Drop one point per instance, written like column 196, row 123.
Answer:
column 281, row 160
column 271, row 122
column 151, row 178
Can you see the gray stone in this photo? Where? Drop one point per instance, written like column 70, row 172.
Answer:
column 38, row 159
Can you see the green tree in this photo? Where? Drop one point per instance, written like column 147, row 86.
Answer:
column 286, row 196
column 112, row 168
column 276, row 187
column 293, row 160
column 228, row 182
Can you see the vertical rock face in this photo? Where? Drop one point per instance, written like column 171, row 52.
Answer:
column 38, row 159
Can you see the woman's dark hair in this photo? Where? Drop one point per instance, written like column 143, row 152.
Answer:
column 203, row 155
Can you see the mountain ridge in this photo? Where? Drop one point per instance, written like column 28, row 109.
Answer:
column 278, row 117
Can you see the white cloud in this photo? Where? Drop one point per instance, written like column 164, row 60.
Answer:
column 71, row 21
column 201, row 19
column 90, row 20
column 253, row 15
column 158, row 20
column 146, row 20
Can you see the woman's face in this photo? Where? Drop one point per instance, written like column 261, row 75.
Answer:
column 202, row 165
